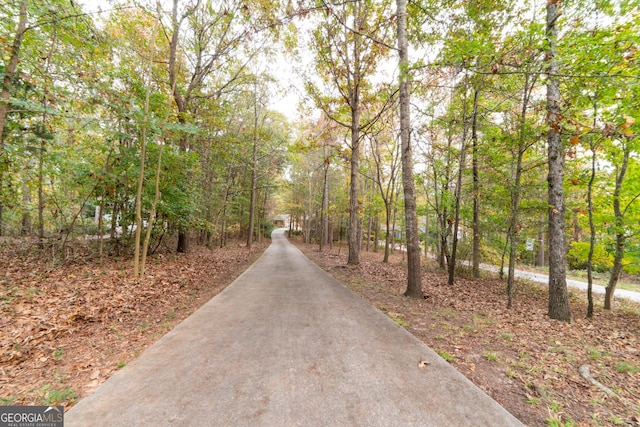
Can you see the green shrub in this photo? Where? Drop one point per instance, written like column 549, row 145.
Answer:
column 579, row 253
column 632, row 266
column 267, row 228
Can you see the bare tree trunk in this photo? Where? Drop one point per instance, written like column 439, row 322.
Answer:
column 442, row 211
column 558, row 296
column 324, row 238
column 376, row 233
column 139, row 260
column 101, row 229
column 181, row 102
column 414, row 281
column 354, row 244
column 475, row 263
column 254, row 160
column 426, row 234
column 592, row 231
column 42, row 150
column 113, row 235
column 514, row 228
column 387, row 239
column 26, row 206
column 143, row 153
column 368, row 245
column 262, row 218
column 394, row 213
column 458, row 192
column 330, row 235
column 619, row 228
column 354, row 105
column 41, row 194
column 7, row 83
column 541, row 243
column 152, row 213
column 615, row 272
column 10, row 71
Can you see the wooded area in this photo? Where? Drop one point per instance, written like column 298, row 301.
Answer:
column 523, row 128
column 501, row 132
column 137, row 124
column 515, row 126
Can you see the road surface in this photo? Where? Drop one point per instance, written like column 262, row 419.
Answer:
column 287, row 345
column 543, row 278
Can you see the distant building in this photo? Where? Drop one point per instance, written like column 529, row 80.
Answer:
column 282, row 221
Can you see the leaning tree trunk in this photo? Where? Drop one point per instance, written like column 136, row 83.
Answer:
column 558, row 296
column 615, row 272
column 620, row 235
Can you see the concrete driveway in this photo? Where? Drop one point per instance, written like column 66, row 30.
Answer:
column 287, row 345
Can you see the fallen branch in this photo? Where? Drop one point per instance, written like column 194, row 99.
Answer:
column 585, row 372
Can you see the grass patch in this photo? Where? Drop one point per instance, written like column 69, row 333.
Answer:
column 468, row 328
column 626, row 367
column 490, row 356
column 617, row 420
column 145, row 326
column 399, row 319
column 446, row 356
column 557, row 421
column 449, row 314
column 594, row 354
column 7, row 401
column 55, row 396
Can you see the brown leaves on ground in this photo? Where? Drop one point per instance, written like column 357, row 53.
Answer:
column 64, row 329
column 526, row 362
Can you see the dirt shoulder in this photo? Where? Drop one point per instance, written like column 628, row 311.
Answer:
column 526, row 362
column 64, row 329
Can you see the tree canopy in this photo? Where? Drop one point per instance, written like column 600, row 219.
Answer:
column 161, row 118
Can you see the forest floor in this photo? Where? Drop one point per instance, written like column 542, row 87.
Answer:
column 66, row 327
column 526, row 362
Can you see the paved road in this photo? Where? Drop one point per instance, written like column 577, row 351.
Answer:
column 543, row 278
column 287, row 345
